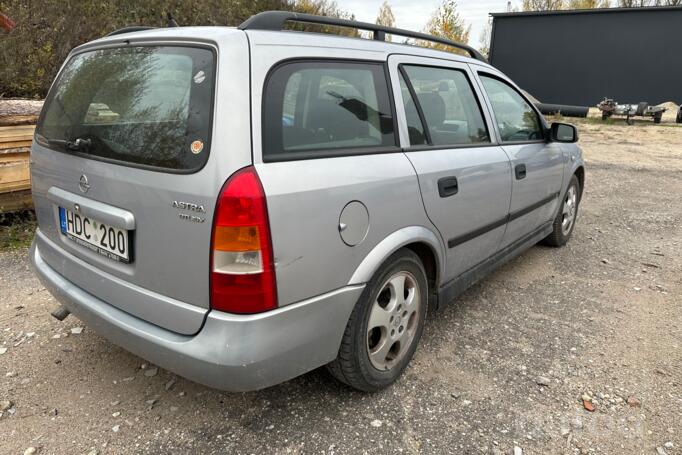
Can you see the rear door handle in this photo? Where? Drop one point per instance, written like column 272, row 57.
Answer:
column 520, row 171
column 447, row 186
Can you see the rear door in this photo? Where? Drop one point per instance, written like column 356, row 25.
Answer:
column 536, row 163
column 127, row 163
column 464, row 175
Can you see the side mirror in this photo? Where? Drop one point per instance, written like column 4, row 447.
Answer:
column 563, row 132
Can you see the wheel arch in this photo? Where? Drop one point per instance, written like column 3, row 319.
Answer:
column 579, row 172
column 422, row 241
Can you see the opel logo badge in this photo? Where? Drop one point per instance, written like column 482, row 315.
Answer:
column 83, row 184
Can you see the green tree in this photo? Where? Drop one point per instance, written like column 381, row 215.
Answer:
column 45, row 32
column 639, row 3
column 635, row 3
column 446, row 22
column 543, row 5
column 588, row 4
column 323, row 8
column 385, row 17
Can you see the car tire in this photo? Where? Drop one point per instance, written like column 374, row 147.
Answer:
column 658, row 118
column 372, row 358
column 564, row 223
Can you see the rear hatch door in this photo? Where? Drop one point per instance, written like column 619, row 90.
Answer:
column 124, row 182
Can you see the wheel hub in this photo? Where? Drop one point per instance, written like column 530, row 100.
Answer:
column 393, row 320
column 569, row 210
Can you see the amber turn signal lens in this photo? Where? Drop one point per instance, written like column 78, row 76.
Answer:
column 236, row 238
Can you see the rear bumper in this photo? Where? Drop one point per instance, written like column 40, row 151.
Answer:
column 236, row 353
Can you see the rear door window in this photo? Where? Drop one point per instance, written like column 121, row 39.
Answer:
column 326, row 108
column 415, row 128
column 449, row 105
column 148, row 106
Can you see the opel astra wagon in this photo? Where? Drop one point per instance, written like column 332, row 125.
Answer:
column 243, row 205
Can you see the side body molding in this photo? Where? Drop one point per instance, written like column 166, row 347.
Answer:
column 392, row 243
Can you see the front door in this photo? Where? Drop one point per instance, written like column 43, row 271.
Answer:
column 537, row 165
column 464, row 176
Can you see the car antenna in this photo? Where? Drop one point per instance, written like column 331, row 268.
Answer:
column 171, row 21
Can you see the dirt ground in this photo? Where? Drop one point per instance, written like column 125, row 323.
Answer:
column 504, row 369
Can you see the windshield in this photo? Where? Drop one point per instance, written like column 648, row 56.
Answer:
column 147, row 105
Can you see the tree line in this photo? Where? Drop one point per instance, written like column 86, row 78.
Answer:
column 549, row 5
column 38, row 34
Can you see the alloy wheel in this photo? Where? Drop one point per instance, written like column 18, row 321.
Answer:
column 393, row 320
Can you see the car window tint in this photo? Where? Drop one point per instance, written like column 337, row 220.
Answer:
column 146, row 105
column 322, row 106
column 451, row 111
column 516, row 119
column 414, row 124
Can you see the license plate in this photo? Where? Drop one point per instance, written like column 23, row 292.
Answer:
column 97, row 236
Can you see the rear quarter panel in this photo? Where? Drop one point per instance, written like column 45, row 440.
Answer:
column 305, row 200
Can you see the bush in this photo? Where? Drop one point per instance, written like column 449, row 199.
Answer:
column 46, row 31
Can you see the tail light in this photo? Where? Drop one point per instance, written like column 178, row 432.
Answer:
column 242, row 269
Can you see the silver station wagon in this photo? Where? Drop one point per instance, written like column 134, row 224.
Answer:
column 243, row 205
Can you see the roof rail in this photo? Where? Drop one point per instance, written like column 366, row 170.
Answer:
column 275, row 20
column 134, row 28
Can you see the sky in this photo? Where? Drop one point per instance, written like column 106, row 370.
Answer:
column 414, row 14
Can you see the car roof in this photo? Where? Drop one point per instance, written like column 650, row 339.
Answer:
column 219, row 34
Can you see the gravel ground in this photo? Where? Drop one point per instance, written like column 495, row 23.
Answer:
column 504, row 369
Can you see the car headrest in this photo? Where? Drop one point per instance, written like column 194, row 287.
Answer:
column 434, row 108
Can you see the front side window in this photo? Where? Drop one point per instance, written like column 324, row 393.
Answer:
column 147, row 105
column 451, row 111
column 516, row 119
column 326, row 107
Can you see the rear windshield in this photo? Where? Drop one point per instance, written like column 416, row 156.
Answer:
column 148, row 106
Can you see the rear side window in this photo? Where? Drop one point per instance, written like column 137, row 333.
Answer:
column 148, row 106
column 516, row 119
column 451, row 111
column 320, row 108
column 415, row 128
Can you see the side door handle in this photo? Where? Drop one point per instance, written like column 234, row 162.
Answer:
column 520, row 171
column 447, row 186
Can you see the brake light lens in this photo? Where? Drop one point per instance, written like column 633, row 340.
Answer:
column 242, row 267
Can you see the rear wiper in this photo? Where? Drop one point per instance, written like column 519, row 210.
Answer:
column 75, row 145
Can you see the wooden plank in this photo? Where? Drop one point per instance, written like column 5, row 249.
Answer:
column 15, row 186
column 17, row 127
column 13, row 120
column 20, row 107
column 14, row 144
column 21, row 154
column 21, row 128
column 15, row 201
column 17, row 138
column 14, row 176
column 16, row 133
column 14, row 154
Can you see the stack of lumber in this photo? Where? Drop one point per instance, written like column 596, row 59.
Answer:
column 16, row 134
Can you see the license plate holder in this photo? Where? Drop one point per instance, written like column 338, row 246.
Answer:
column 106, row 240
